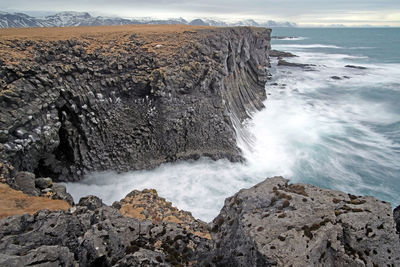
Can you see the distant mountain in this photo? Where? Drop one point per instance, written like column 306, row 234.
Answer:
column 70, row 18
column 199, row 22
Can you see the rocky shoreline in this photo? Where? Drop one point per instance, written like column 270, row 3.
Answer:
column 273, row 223
column 123, row 98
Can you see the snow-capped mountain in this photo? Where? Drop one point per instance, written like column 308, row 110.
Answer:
column 8, row 20
column 70, row 18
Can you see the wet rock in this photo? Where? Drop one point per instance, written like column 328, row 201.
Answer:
column 336, row 78
column 356, row 67
column 25, row 181
column 274, row 223
column 282, row 62
column 277, row 53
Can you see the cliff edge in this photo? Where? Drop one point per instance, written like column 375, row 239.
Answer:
column 78, row 100
column 273, row 223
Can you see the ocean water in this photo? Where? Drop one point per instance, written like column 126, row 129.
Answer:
column 338, row 134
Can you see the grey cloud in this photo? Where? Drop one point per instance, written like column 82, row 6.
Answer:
column 284, row 9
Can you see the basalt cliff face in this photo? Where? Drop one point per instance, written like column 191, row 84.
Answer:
column 78, row 100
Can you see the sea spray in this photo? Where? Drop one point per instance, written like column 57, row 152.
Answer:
column 336, row 133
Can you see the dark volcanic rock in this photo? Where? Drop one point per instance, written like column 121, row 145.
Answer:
column 277, row 53
column 396, row 216
column 91, row 236
column 76, row 107
column 356, row 67
column 282, row 62
column 60, row 192
column 274, row 223
column 25, row 181
column 271, row 224
column 43, row 183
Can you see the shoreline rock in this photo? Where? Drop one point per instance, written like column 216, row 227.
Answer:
column 282, row 62
column 356, row 67
column 272, row 223
column 280, row 54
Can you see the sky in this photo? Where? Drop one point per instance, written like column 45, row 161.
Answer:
column 303, row 12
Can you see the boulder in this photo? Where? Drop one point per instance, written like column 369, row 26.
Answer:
column 91, row 202
column 43, row 183
column 25, row 181
column 274, row 223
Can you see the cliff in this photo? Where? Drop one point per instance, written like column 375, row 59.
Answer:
column 78, row 100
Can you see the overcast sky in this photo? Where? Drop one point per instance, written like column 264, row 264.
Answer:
column 304, row 12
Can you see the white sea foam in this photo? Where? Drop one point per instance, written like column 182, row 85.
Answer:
column 300, row 38
column 307, row 130
column 302, row 46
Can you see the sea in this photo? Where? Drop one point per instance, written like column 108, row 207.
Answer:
column 327, row 125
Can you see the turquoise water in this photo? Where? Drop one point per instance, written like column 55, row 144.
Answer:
column 339, row 134
column 360, row 148
column 379, row 45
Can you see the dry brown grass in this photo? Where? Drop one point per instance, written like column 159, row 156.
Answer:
column 168, row 37
column 13, row 202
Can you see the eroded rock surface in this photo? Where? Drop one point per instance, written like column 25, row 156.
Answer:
column 122, row 98
column 147, row 205
column 274, row 223
column 92, row 234
column 270, row 224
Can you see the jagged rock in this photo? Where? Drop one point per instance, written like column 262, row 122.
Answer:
column 43, row 183
column 91, row 202
column 51, row 256
column 60, row 192
column 356, row 67
column 99, row 237
column 143, row 257
column 147, row 205
column 274, row 223
column 25, row 181
column 396, row 216
column 71, row 107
